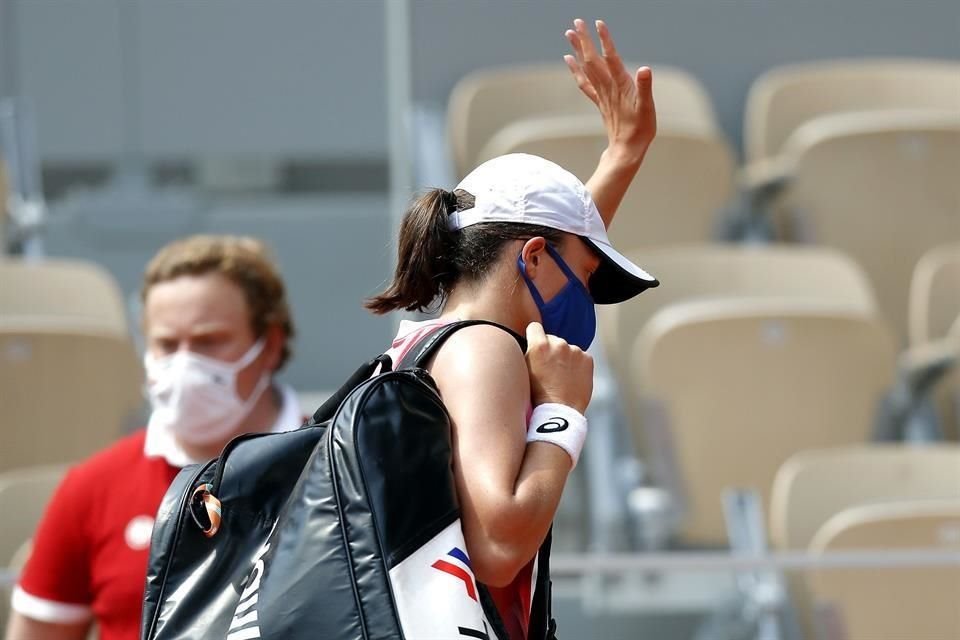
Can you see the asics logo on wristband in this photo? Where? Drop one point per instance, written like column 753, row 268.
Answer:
column 553, row 425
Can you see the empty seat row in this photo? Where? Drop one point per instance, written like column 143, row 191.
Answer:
column 751, row 355
column 876, row 498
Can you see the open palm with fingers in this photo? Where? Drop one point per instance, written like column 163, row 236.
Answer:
column 625, row 99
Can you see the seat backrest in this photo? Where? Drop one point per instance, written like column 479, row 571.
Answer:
column 882, row 189
column 813, row 486
column 24, row 494
column 744, row 385
column 687, row 175
column 784, row 98
column 718, row 271
column 893, row 604
column 935, row 294
column 66, row 393
column 486, row 101
column 73, row 292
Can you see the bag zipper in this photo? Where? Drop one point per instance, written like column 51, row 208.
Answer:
column 364, row 390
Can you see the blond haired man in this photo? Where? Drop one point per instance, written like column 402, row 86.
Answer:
column 217, row 326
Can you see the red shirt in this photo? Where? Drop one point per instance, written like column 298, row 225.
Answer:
column 90, row 552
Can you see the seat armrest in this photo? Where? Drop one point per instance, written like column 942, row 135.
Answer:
column 765, row 178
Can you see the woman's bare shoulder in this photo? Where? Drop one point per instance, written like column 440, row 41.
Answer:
column 481, row 354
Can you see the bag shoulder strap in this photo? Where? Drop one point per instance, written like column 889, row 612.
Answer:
column 361, row 375
column 420, row 355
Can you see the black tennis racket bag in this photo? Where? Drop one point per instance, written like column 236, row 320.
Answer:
column 345, row 529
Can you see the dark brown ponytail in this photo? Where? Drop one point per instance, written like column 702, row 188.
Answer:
column 432, row 258
column 425, row 268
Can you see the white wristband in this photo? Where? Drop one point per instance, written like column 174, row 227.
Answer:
column 560, row 425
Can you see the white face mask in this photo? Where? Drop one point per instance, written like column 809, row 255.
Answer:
column 196, row 398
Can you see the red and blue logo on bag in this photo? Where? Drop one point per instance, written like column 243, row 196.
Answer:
column 457, row 564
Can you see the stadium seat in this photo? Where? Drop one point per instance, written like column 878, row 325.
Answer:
column 730, row 389
column 813, row 486
column 484, row 102
column 892, row 604
column 75, row 293
column 934, row 317
column 66, row 392
column 784, row 98
column 882, row 189
column 687, row 175
column 69, row 371
column 935, row 294
column 24, row 494
column 716, row 271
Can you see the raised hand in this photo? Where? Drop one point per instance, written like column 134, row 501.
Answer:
column 625, row 99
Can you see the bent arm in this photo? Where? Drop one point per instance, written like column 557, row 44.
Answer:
column 508, row 490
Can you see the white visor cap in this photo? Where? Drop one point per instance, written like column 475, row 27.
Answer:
column 526, row 189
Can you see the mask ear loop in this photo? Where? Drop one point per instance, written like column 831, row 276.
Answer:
column 537, row 298
column 252, row 354
column 571, row 276
column 262, row 384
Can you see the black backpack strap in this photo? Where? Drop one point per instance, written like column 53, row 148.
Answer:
column 420, row 355
column 366, row 370
column 542, row 624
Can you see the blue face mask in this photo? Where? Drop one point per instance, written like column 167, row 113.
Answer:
column 570, row 315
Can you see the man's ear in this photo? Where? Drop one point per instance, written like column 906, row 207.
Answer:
column 274, row 339
column 532, row 254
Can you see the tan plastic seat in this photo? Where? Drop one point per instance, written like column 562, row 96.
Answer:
column 892, row 604
column 935, row 294
column 730, row 389
column 24, row 494
column 76, row 293
column 65, row 393
column 484, row 102
column 882, row 189
column 784, row 98
column 21, row 555
column 719, row 271
column 687, row 175
column 934, row 315
column 813, row 486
